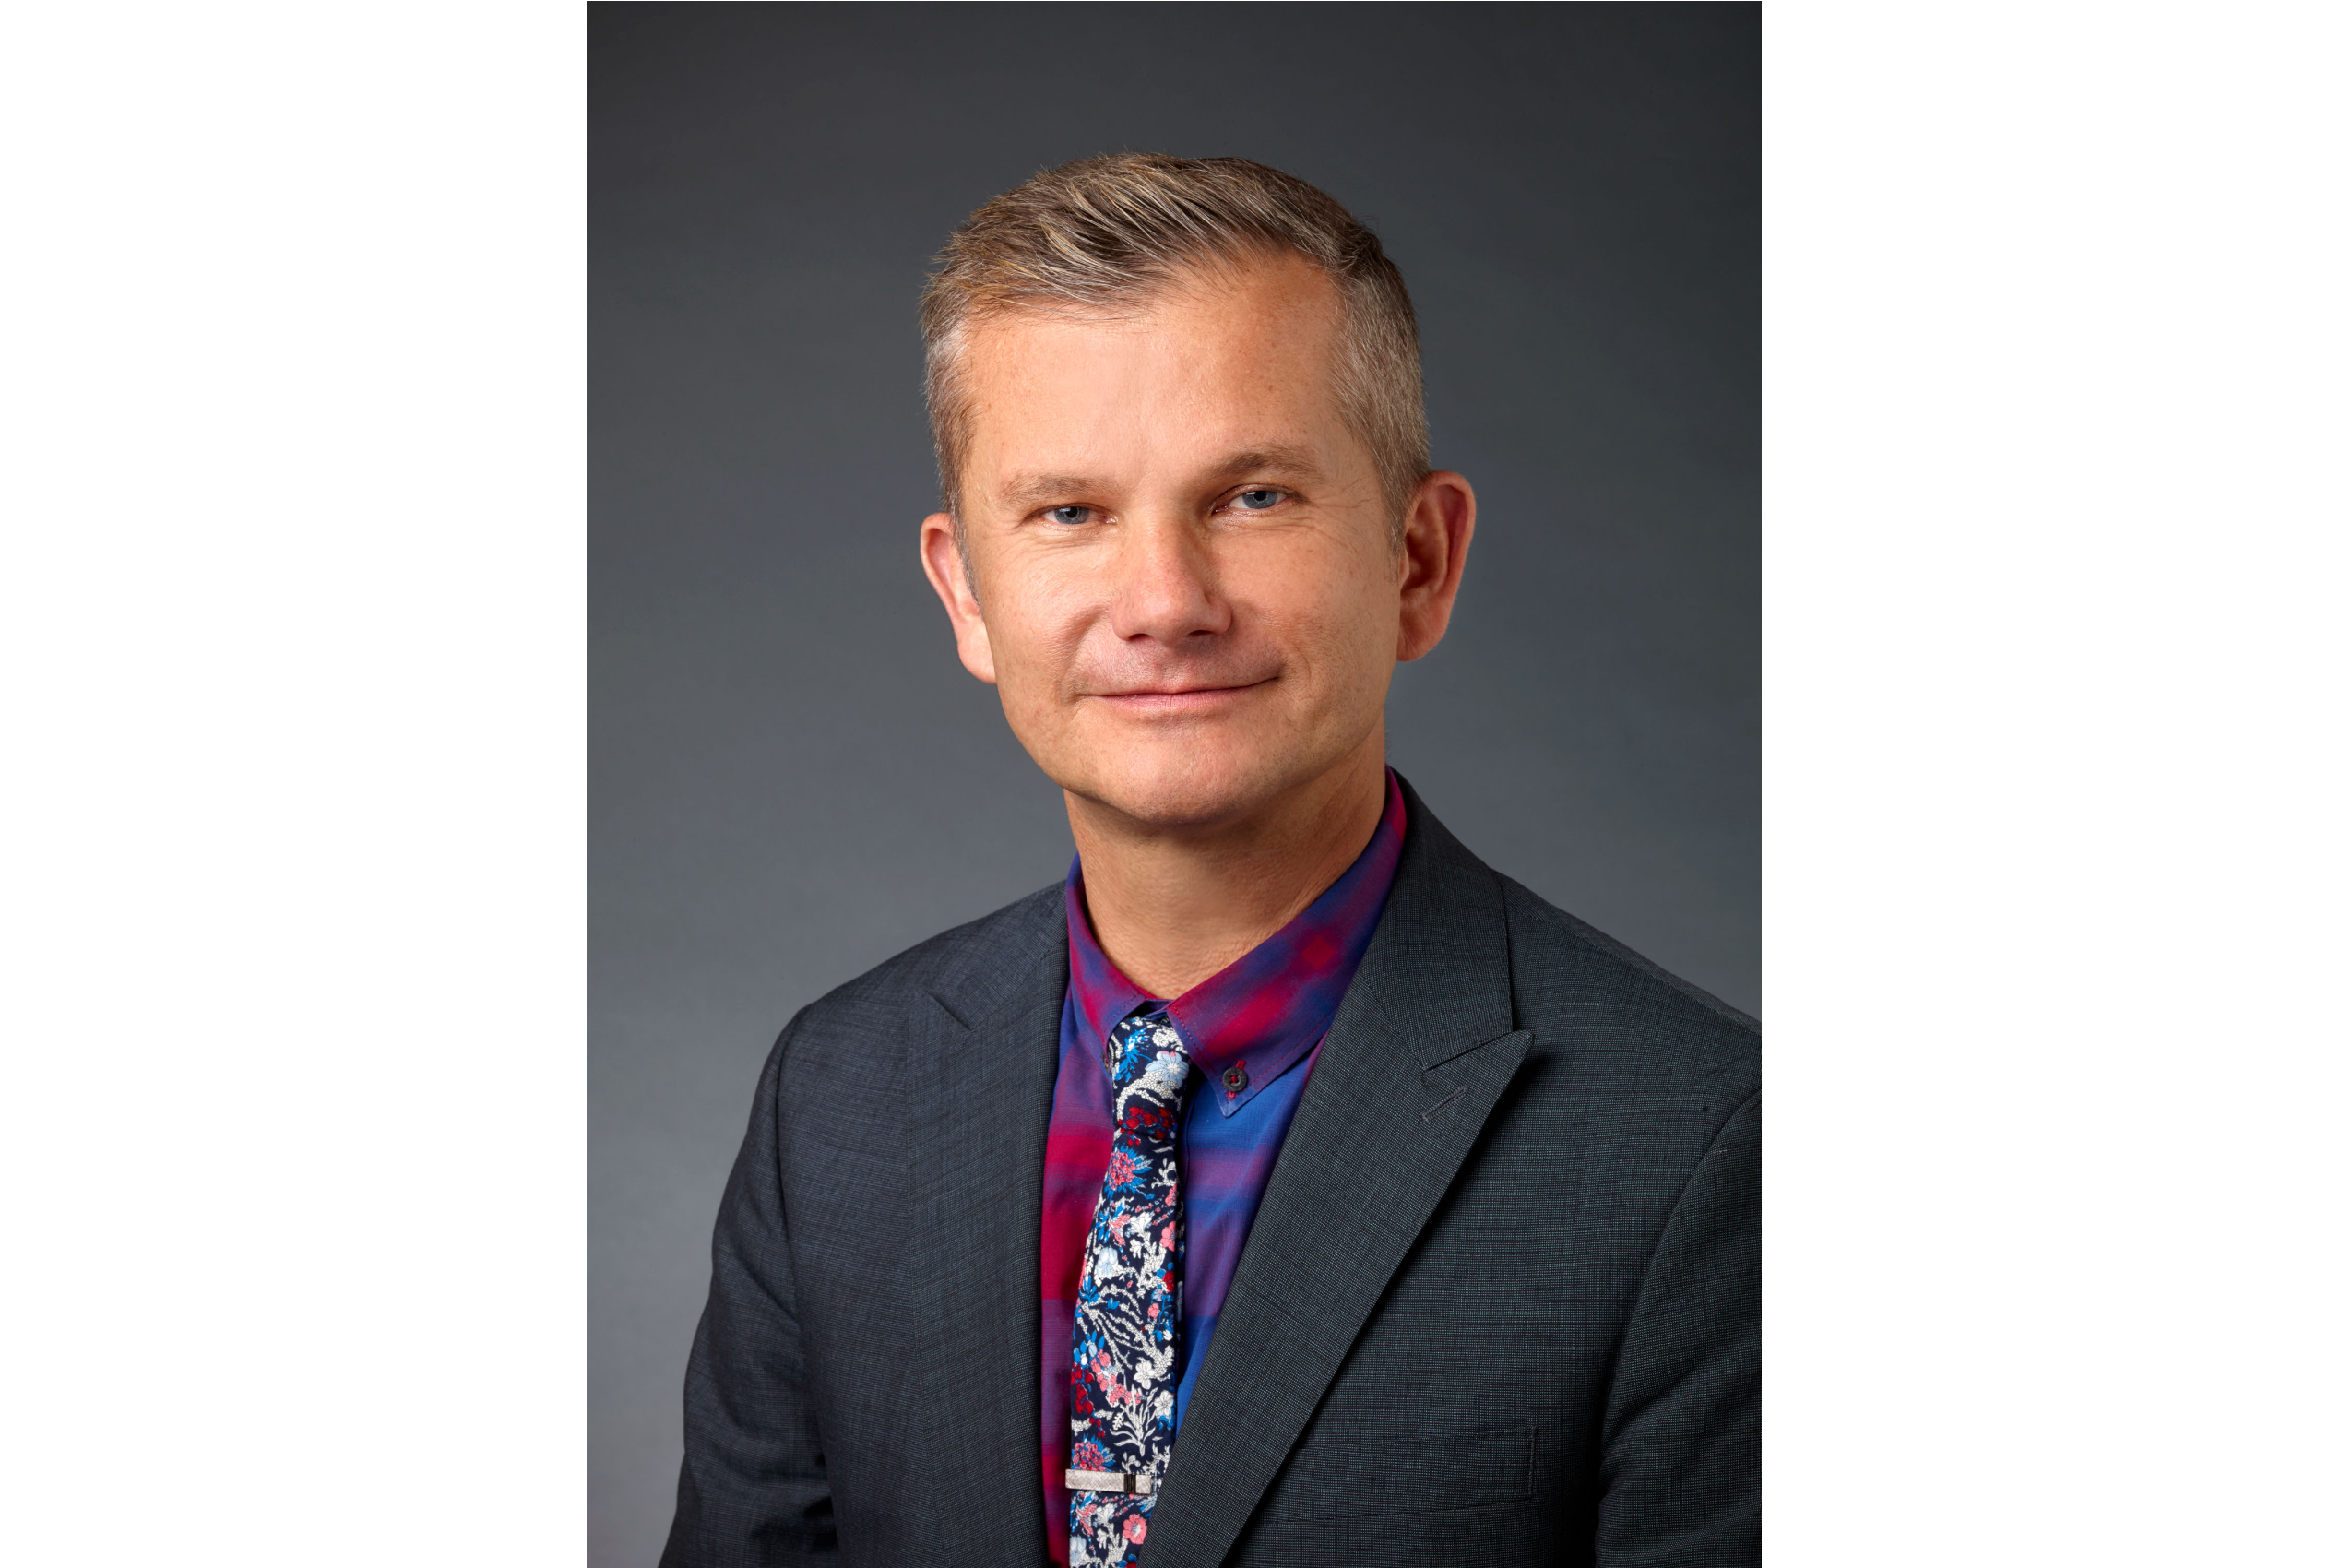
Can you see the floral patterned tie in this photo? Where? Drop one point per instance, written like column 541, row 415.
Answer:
column 1124, row 1339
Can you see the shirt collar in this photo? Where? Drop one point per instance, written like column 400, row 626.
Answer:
column 1252, row 1021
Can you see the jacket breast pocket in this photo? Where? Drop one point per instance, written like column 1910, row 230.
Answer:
column 1425, row 1473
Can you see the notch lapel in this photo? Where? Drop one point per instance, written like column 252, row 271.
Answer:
column 1420, row 1049
column 992, row 1101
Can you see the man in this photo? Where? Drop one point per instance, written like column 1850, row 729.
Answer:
column 1285, row 1187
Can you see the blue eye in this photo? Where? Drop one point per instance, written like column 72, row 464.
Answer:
column 1072, row 515
column 1257, row 500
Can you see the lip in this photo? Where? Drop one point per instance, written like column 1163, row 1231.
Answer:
column 1193, row 699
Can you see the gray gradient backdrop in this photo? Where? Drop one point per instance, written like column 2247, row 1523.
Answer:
column 790, row 777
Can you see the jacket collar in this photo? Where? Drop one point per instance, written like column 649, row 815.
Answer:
column 1421, row 1049
column 982, row 1155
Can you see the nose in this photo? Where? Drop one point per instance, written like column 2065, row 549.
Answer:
column 1164, row 584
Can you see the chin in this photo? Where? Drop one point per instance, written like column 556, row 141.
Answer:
column 1180, row 786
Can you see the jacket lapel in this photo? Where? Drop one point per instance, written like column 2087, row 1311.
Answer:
column 986, row 1159
column 1420, row 1049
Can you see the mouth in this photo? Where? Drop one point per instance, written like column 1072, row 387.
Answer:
column 1175, row 701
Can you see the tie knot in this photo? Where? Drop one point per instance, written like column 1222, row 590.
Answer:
column 1147, row 1063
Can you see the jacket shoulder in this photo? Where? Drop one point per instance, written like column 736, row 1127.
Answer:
column 1573, row 984
column 846, row 1059
column 966, row 970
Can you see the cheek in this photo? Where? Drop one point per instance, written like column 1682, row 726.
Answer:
column 1346, row 629
column 1034, row 626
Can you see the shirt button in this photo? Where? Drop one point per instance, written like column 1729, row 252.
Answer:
column 1237, row 1078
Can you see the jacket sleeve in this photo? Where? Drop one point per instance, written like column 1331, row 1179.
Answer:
column 753, row 1488
column 1680, row 1482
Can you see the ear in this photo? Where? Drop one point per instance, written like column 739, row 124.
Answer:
column 944, row 565
column 1437, row 524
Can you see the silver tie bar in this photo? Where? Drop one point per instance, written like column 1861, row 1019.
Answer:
column 1107, row 1480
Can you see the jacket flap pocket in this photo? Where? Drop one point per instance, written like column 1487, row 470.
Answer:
column 1407, row 1475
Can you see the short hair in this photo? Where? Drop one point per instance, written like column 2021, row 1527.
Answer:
column 1111, row 234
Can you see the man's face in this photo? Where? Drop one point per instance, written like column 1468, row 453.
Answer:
column 1187, row 598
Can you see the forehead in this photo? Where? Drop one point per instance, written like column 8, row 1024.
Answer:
column 1237, row 360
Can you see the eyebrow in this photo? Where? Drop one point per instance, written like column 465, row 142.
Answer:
column 1292, row 462
column 1277, row 461
column 1028, row 490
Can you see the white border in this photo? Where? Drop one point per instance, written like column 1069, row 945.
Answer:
column 290, row 1136
column 2055, row 791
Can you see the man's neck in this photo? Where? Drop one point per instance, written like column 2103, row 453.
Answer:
column 1172, row 909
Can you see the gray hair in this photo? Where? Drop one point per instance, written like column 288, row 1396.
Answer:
column 1110, row 233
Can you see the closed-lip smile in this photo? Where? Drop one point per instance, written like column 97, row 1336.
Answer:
column 1177, row 699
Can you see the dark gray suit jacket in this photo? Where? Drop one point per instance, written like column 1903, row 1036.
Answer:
column 1499, row 1305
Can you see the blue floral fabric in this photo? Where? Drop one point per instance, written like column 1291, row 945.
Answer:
column 1124, row 1332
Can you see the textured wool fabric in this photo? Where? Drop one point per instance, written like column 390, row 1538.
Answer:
column 1252, row 1030
column 1498, row 1305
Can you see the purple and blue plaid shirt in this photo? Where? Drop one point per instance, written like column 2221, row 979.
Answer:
column 1252, row 1031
